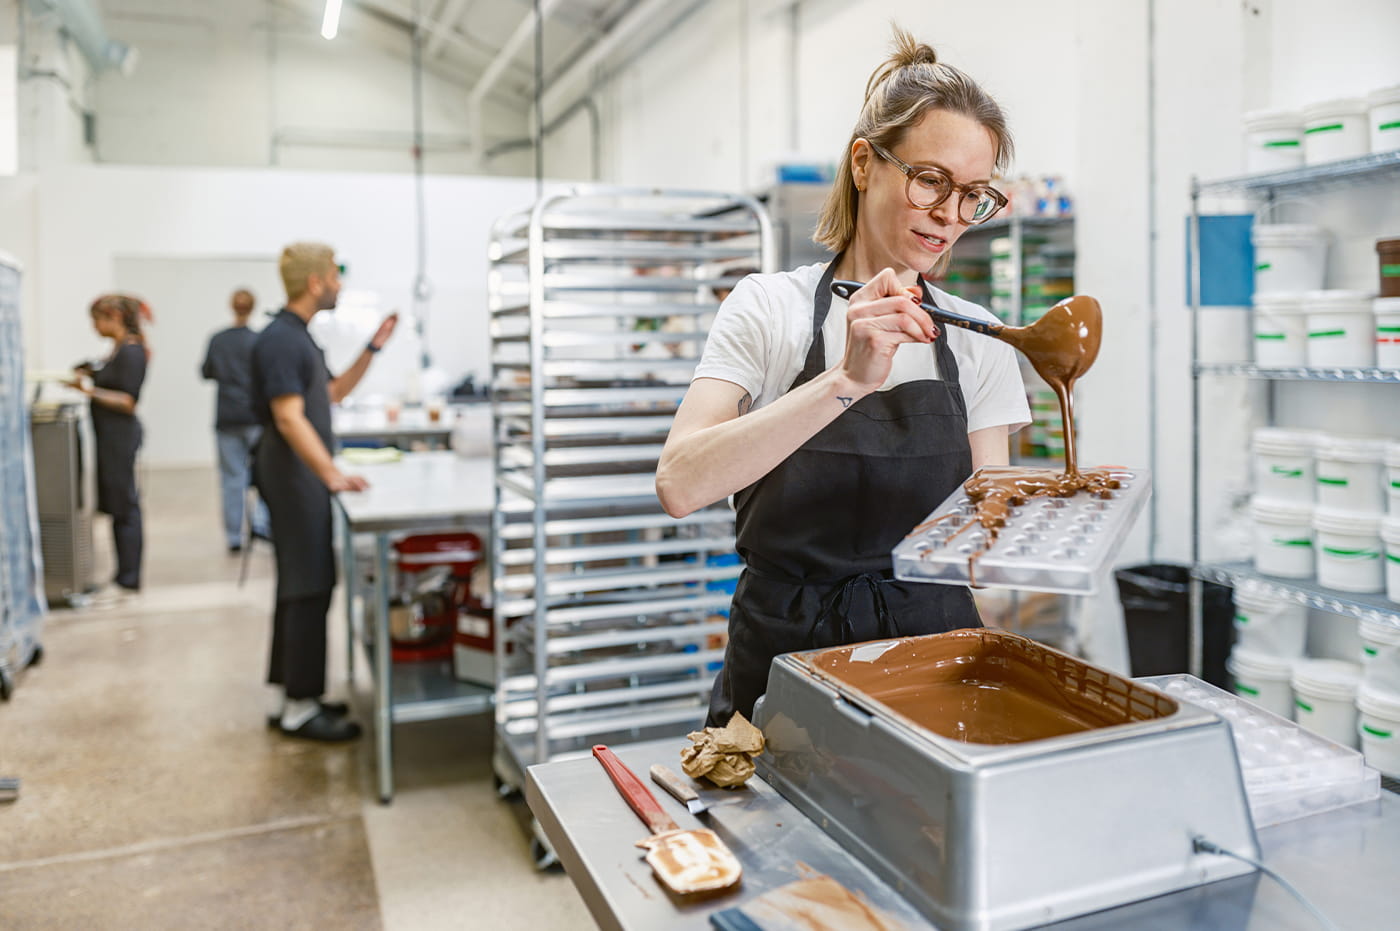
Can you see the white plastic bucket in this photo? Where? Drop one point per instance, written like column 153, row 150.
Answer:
column 1280, row 331
column 1350, row 557
column 1334, row 129
column 1283, row 538
column 1350, row 474
column 1387, row 313
column 1390, row 536
column 1324, row 698
column 1384, row 120
column 1341, row 329
column 1380, row 654
column 1378, row 726
column 1391, row 477
column 1265, row 623
column 1263, row 679
column 1283, row 465
column 1288, row 257
column 1273, row 140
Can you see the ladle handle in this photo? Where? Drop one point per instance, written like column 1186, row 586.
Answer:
column 845, row 289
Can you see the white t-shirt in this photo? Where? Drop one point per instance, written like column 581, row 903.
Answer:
column 763, row 330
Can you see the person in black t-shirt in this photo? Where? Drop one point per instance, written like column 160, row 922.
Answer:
column 228, row 361
column 293, row 469
column 114, row 386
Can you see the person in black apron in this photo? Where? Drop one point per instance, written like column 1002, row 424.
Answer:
column 295, row 474
column 115, row 389
column 830, row 475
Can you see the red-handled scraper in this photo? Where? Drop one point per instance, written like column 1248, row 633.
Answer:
column 687, row 861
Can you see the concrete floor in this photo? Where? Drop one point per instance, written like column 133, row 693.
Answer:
column 154, row 795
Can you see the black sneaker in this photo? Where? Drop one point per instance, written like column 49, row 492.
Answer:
column 325, row 727
column 337, row 708
column 235, row 549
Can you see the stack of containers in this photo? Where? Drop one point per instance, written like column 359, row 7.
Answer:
column 1336, row 129
column 1324, row 131
column 1340, row 327
column 1350, row 504
column 1378, row 695
column 1324, row 698
column 1390, row 526
column 1270, row 635
column 1289, row 262
column 1273, row 140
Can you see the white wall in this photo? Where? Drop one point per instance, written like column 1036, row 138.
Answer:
column 90, row 219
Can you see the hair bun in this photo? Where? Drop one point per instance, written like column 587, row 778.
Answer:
column 909, row 51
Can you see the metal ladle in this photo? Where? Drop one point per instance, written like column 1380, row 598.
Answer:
column 1061, row 345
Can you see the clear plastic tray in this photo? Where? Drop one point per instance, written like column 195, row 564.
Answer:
column 1048, row 545
column 1288, row 772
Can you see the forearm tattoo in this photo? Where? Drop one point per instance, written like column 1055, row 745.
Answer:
column 745, row 404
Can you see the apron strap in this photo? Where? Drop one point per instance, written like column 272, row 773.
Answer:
column 837, row 608
column 815, row 363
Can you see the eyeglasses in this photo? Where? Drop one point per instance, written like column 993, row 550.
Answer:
column 926, row 188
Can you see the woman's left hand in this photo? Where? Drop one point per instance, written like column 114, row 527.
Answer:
column 81, row 384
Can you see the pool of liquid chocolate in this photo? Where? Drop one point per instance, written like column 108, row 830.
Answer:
column 986, row 687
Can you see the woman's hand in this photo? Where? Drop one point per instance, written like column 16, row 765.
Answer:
column 80, row 383
column 882, row 316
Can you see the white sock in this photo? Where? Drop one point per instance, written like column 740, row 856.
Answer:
column 297, row 711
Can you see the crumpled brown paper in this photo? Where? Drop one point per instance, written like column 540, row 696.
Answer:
column 723, row 755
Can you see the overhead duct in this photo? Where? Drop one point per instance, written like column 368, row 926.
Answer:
column 82, row 22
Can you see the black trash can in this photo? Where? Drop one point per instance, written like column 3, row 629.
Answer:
column 1157, row 613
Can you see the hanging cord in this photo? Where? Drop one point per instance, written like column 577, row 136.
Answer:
column 422, row 288
column 1201, row 845
column 837, row 608
column 539, row 102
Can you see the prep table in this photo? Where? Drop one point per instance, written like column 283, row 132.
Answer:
column 420, row 492
column 413, row 425
column 1344, row 861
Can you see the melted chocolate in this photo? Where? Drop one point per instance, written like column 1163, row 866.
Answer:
column 987, row 686
column 691, row 861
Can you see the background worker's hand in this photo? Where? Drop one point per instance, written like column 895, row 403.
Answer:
column 881, row 317
column 341, row 482
column 386, row 330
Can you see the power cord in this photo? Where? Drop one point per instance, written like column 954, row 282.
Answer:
column 1201, row 845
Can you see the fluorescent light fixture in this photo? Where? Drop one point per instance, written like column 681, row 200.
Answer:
column 330, row 23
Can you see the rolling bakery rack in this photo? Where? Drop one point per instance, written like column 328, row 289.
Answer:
column 609, row 614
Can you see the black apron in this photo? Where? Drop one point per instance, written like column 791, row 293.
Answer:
column 816, row 532
column 298, row 503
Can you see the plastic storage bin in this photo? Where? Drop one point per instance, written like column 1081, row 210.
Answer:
column 1341, row 328
column 1263, row 679
column 1288, row 257
column 1378, row 727
column 1387, row 314
column 1380, row 654
column 1156, row 601
column 1324, row 698
column 1334, row 129
column 1265, row 623
column 1350, row 474
column 1283, row 538
column 1388, row 255
column 1390, row 536
column 1384, row 119
column 1280, row 331
column 1283, row 464
column 1273, row 140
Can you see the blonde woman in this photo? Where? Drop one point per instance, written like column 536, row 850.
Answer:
column 839, row 426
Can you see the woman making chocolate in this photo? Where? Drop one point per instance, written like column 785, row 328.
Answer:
column 839, row 426
column 114, row 387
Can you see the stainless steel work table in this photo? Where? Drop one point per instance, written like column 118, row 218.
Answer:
column 420, row 492
column 1346, row 861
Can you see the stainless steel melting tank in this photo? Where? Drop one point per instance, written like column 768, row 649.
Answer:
column 1011, row 835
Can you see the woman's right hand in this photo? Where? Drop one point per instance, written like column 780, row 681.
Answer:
column 882, row 316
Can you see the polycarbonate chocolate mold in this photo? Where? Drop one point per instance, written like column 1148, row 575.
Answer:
column 1048, row 544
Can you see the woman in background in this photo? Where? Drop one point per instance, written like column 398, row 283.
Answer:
column 114, row 387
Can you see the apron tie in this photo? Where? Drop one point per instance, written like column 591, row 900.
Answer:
column 838, row 605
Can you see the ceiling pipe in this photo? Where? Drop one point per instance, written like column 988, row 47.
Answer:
column 448, row 16
column 632, row 23
column 82, row 22
column 524, row 32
